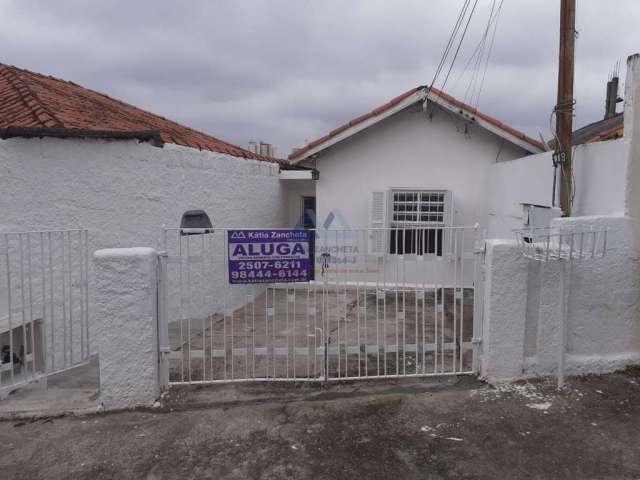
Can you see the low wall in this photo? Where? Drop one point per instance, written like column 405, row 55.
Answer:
column 599, row 181
column 523, row 308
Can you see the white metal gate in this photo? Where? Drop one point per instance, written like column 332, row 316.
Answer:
column 384, row 303
column 44, row 324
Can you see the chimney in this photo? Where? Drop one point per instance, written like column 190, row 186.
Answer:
column 612, row 97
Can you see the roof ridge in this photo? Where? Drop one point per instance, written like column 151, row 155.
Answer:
column 18, row 84
column 297, row 152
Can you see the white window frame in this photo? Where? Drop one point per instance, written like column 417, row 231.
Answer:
column 380, row 243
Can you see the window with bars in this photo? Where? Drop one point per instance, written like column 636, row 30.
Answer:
column 417, row 218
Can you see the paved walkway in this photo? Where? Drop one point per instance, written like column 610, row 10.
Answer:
column 431, row 429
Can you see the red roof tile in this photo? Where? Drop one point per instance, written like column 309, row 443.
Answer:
column 32, row 100
column 297, row 152
column 610, row 134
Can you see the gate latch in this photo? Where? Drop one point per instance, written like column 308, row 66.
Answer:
column 325, row 262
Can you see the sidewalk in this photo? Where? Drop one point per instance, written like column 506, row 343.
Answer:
column 426, row 429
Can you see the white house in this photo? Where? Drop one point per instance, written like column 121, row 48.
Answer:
column 420, row 160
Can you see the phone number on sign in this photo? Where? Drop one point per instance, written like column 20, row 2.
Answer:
column 279, row 274
column 258, row 265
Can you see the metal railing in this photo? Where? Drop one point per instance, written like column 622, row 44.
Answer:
column 384, row 303
column 44, row 324
column 562, row 243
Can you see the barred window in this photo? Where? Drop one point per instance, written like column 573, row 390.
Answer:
column 416, row 220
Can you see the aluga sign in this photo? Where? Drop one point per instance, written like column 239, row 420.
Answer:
column 270, row 256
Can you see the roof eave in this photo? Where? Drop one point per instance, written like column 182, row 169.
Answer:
column 522, row 143
column 416, row 97
column 152, row 136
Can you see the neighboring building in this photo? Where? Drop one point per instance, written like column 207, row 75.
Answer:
column 419, row 161
column 72, row 157
column 610, row 127
column 262, row 148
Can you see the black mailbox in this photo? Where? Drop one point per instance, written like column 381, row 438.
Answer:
column 195, row 222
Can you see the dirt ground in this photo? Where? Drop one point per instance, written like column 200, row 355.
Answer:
column 430, row 429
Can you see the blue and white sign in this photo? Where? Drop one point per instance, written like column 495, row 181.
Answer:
column 270, row 256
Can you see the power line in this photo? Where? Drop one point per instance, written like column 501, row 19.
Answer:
column 478, row 53
column 476, row 81
column 453, row 61
column 447, row 49
column 486, row 64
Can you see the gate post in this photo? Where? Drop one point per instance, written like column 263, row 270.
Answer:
column 163, row 325
column 126, row 312
column 505, row 311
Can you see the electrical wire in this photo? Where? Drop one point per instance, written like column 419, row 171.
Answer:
column 478, row 53
column 486, row 63
column 452, row 37
column 475, row 4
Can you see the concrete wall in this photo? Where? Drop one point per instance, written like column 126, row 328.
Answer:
column 411, row 150
column 599, row 180
column 123, row 192
column 523, row 307
column 125, row 304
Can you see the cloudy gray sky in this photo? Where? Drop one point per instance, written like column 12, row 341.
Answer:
column 287, row 71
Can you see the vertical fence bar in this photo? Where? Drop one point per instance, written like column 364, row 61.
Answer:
column 44, row 311
column 23, row 352
column 31, row 319
column 9, row 307
column 462, row 260
column 181, row 306
column 86, row 292
column 51, row 301
column 80, row 250
column 70, row 273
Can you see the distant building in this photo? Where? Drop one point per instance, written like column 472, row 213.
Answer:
column 262, row 148
column 611, row 126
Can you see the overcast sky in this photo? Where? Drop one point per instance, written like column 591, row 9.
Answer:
column 286, row 71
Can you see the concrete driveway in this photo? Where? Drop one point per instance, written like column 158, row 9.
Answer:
column 428, row 429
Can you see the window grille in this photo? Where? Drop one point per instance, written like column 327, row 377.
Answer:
column 416, row 218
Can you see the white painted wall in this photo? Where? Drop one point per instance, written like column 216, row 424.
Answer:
column 411, row 150
column 295, row 190
column 523, row 307
column 408, row 150
column 125, row 304
column 599, row 177
column 123, row 192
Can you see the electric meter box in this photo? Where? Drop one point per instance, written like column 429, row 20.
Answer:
column 538, row 216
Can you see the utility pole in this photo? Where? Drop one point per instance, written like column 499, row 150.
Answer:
column 564, row 107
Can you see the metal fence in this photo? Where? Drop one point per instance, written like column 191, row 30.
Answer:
column 547, row 244
column 384, row 303
column 44, row 324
